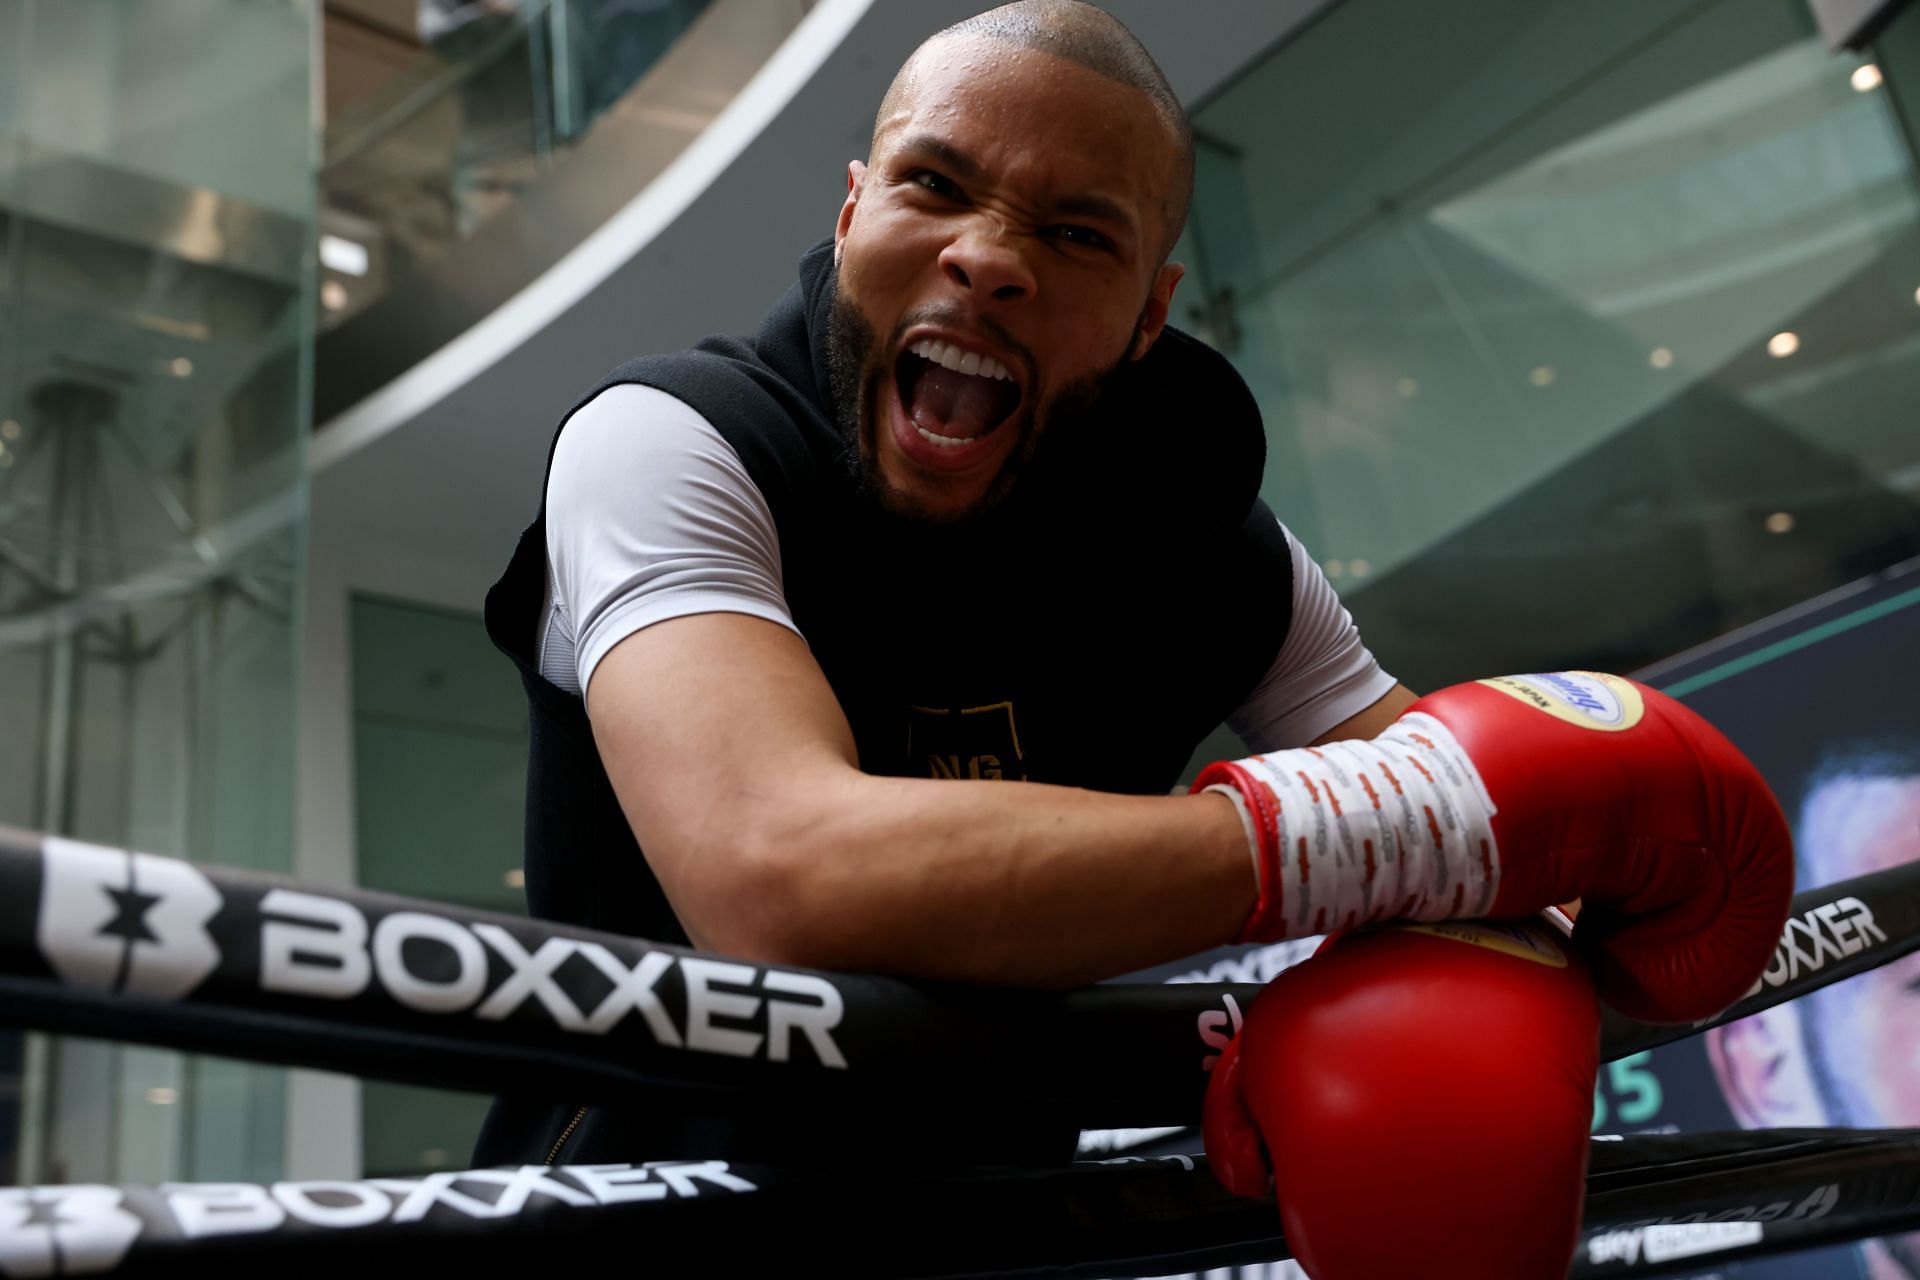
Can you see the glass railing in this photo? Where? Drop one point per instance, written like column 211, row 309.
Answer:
column 481, row 115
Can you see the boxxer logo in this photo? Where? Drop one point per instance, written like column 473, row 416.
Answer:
column 319, row 946
column 1831, row 931
column 125, row 921
column 60, row 1231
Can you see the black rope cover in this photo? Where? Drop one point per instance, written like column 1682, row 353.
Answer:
column 100, row 941
column 103, row 942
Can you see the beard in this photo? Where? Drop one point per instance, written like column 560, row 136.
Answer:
column 857, row 377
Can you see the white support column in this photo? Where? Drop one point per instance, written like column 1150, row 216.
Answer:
column 323, row 1109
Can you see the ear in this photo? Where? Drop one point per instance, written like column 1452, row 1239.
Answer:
column 1761, row 1064
column 856, row 177
column 1153, row 317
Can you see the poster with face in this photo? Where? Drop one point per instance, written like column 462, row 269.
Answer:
column 1823, row 699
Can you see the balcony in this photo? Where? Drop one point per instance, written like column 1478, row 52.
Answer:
column 496, row 150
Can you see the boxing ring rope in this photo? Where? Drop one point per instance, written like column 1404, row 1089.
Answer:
column 105, row 942
column 325, row 977
column 1152, row 1217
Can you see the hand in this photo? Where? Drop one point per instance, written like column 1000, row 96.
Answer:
column 1425, row 1095
column 1503, row 796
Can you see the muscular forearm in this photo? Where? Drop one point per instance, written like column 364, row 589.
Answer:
column 995, row 882
column 1031, row 884
column 1036, row 884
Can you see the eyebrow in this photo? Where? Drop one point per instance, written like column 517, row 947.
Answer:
column 946, row 153
column 965, row 167
column 1090, row 205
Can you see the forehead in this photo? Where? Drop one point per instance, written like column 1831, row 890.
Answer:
column 1852, row 826
column 1025, row 114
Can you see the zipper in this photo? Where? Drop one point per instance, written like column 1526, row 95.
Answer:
column 566, row 1133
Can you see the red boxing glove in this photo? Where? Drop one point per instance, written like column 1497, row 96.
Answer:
column 1425, row 1094
column 1504, row 796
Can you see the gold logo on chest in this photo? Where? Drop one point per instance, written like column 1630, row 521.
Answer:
column 965, row 742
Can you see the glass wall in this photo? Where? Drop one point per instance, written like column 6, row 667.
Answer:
column 156, row 217
column 1584, row 333
column 500, row 93
column 440, row 775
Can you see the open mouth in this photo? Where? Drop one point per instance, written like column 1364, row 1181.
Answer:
column 953, row 397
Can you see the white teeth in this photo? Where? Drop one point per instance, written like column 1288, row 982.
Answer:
column 949, row 356
column 944, row 442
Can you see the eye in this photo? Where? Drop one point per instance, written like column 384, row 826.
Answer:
column 935, row 183
column 1085, row 237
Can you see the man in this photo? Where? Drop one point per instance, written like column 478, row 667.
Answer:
column 1848, row 1054
column 965, row 510
column 969, row 236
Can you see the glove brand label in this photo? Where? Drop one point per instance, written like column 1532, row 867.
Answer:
column 1590, row 699
column 1522, row 941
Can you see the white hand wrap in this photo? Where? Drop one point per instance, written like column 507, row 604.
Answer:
column 1400, row 828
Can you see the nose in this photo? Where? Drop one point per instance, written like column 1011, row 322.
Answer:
column 985, row 260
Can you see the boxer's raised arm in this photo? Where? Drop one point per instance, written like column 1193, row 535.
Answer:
column 739, row 776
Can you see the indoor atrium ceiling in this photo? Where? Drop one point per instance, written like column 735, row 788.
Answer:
column 434, row 476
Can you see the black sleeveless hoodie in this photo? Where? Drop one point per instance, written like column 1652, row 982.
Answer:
column 1126, row 596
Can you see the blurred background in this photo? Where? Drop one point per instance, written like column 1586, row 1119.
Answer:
column 1585, row 335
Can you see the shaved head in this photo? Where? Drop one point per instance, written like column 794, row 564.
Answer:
column 1089, row 37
